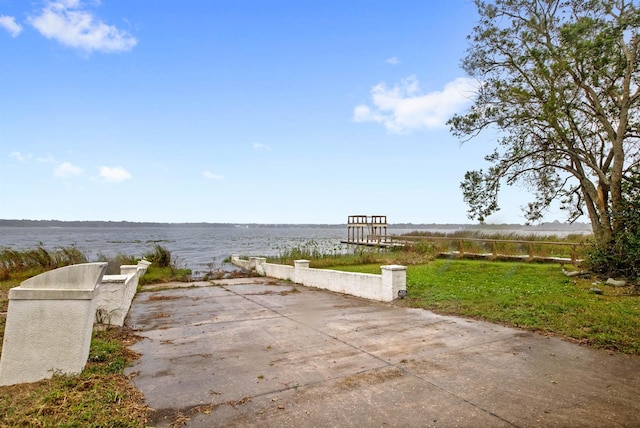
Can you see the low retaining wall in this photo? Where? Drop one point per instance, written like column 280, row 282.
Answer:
column 49, row 324
column 385, row 287
column 51, row 316
column 116, row 293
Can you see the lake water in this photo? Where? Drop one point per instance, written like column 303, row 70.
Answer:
column 198, row 247
column 195, row 247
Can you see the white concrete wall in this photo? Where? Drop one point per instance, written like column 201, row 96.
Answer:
column 244, row 264
column 49, row 324
column 116, row 293
column 272, row 270
column 260, row 265
column 383, row 287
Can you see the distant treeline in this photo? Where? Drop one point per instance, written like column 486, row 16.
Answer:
column 578, row 227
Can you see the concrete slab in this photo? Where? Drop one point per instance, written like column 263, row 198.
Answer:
column 262, row 353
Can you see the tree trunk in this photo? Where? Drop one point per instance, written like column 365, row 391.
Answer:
column 603, row 211
column 590, row 195
column 617, row 204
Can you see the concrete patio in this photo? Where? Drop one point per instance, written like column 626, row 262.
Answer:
column 257, row 352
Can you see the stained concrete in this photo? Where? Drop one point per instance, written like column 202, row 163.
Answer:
column 256, row 352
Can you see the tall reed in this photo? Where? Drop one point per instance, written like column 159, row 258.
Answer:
column 37, row 259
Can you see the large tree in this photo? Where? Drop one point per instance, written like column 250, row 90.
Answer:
column 558, row 80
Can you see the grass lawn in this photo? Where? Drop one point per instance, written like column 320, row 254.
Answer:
column 529, row 295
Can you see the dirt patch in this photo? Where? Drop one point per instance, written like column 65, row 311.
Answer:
column 160, row 298
column 162, row 373
column 128, row 337
column 431, row 366
column 371, row 377
column 261, row 293
column 271, row 292
column 180, row 417
column 291, row 291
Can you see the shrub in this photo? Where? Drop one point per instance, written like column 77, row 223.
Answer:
column 621, row 255
column 160, row 256
column 114, row 263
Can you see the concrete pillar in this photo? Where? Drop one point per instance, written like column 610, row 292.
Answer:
column 299, row 274
column 117, row 292
column 144, row 265
column 49, row 324
column 252, row 263
column 301, row 264
column 259, row 264
column 111, row 298
column 394, row 279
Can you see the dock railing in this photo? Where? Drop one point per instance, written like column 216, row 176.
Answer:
column 367, row 230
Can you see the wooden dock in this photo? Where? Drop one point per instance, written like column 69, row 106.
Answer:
column 370, row 231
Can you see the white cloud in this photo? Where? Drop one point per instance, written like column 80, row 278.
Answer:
column 9, row 23
column 404, row 107
column 260, row 146
column 19, row 156
column 212, row 176
column 114, row 174
column 393, row 60
column 68, row 22
column 67, row 169
column 47, row 159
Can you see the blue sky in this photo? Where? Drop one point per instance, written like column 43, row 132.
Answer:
column 236, row 111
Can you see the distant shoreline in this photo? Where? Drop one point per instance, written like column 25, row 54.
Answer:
column 553, row 226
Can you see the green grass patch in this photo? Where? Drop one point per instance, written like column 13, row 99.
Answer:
column 159, row 275
column 534, row 296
